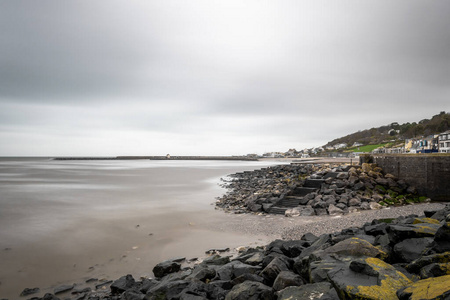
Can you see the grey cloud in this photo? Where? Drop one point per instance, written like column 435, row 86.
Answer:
column 306, row 71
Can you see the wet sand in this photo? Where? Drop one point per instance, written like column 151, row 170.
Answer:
column 65, row 222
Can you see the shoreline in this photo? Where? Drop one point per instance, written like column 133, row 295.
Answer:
column 227, row 230
column 265, row 229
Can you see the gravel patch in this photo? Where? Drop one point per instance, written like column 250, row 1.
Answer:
column 278, row 226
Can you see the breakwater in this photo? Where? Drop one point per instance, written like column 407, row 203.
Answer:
column 240, row 158
column 429, row 173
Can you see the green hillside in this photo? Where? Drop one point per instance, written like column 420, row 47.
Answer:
column 375, row 137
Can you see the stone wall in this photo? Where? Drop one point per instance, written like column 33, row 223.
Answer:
column 429, row 173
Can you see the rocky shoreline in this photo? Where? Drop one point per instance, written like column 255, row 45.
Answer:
column 403, row 258
column 315, row 189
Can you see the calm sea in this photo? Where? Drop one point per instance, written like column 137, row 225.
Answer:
column 60, row 218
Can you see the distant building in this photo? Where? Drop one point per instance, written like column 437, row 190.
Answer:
column 427, row 144
column 340, row 146
column 444, row 142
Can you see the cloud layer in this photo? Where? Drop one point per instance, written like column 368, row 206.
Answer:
column 210, row 77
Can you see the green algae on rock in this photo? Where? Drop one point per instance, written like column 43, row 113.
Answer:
column 427, row 289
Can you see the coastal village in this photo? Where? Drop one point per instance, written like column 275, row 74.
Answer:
column 435, row 143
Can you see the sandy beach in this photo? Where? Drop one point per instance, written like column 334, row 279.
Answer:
column 66, row 222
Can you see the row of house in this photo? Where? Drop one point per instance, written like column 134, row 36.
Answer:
column 430, row 144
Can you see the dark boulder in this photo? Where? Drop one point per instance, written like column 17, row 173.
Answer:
column 202, row 273
column 293, row 248
column 132, row 294
column 315, row 291
column 435, row 270
column 423, row 261
column 356, row 247
column 247, row 277
column 411, row 249
column 216, row 260
column 441, row 241
column 272, row 270
column 368, row 278
column 431, row 288
column 250, row 290
column 167, row 289
column 376, row 229
column 166, row 267
column 122, row 284
column 285, row 279
column 402, row 232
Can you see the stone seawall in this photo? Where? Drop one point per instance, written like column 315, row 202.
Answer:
column 429, row 173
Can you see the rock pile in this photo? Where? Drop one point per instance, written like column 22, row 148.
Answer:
column 306, row 190
column 403, row 258
column 258, row 190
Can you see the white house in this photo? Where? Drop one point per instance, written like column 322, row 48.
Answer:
column 444, row 142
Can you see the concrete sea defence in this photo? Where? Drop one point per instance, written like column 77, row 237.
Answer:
column 429, row 173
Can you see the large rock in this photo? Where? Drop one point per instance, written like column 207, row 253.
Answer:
column 166, row 267
column 431, row 288
column 368, row 278
column 333, row 210
column 315, row 291
column 401, row 232
column 442, row 239
column 255, row 259
column 166, row 289
column 411, row 249
column 202, row 273
column 317, row 270
column 356, row 247
column 216, row 260
column 435, row 270
column 122, row 284
column 423, row 261
column 275, row 267
column 239, row 269
column 293, row 248
column 376, row 229
column 250, row 290
column 285, row 279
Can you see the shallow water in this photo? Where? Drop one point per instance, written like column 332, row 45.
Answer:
column 62, row 221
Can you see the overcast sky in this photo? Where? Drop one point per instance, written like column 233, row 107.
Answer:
column 214, row 77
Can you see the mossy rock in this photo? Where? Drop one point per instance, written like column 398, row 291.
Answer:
column 422, row 199
column 369, row 278
column 435, row 270
column 426, row 220
column 381, row 189
column 392, row 193
column 356, row 247
column 389, row 201
column 409, row 201
column 423, row 261
column 431, row 288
